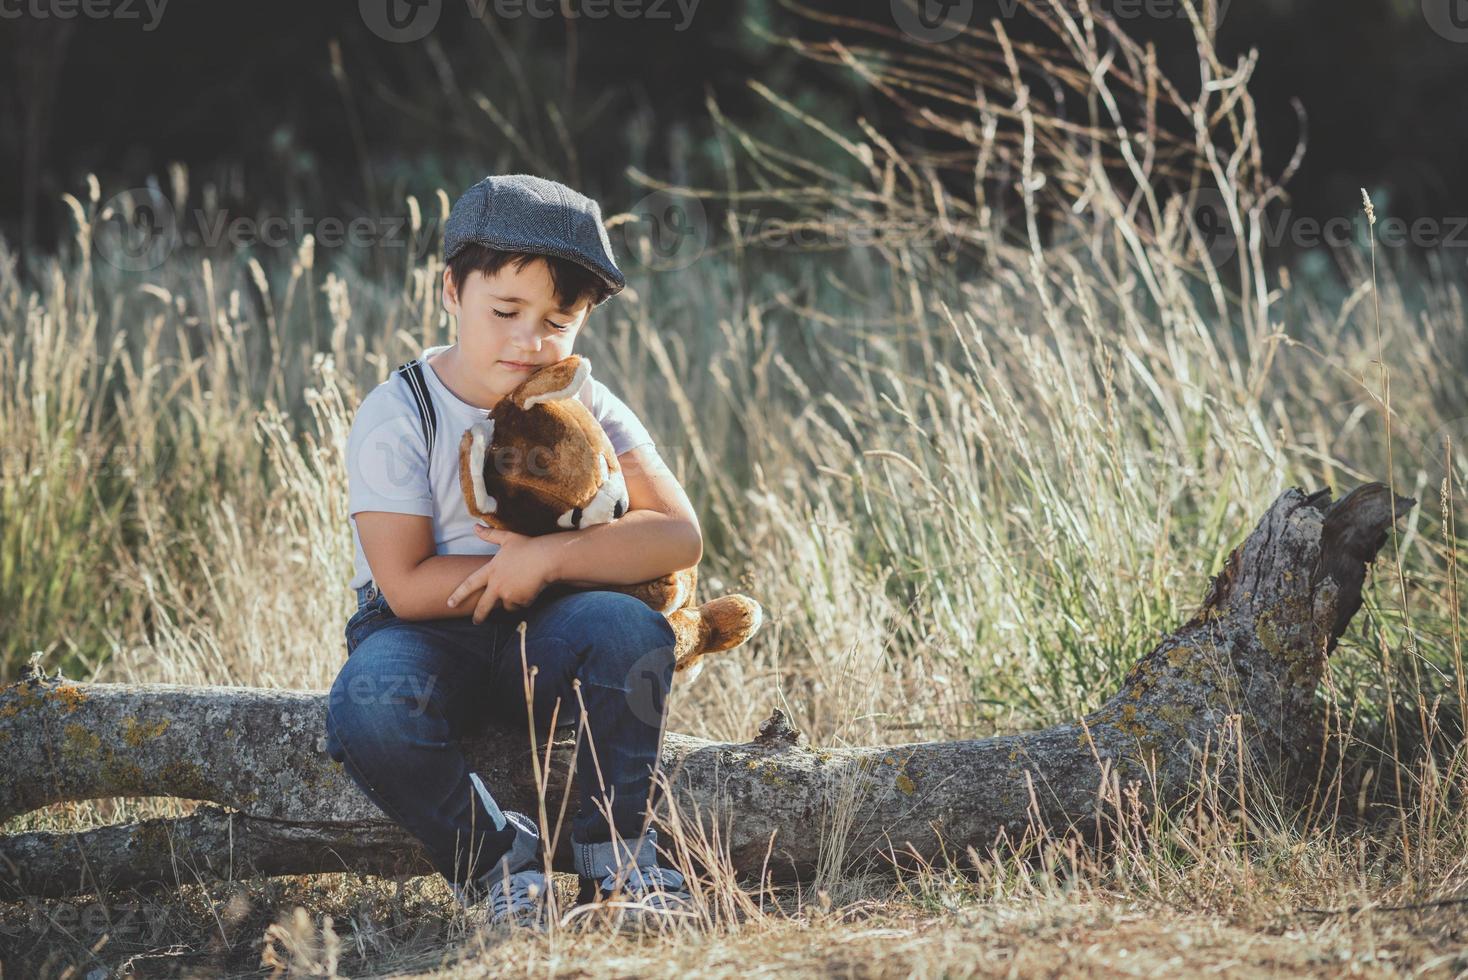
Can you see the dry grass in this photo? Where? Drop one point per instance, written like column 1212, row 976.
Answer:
column 969, row 493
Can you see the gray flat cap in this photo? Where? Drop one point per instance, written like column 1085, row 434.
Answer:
column 525, row 213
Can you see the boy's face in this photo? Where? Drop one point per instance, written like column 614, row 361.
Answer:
column 510, row 323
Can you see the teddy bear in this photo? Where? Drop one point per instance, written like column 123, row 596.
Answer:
column 540, row 463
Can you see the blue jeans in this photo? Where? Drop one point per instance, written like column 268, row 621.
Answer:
column 409, row 689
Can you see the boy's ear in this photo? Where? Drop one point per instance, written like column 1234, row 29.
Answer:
column 562, row 379
column 450, row 292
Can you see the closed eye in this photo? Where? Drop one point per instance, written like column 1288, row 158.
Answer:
column 503, row 315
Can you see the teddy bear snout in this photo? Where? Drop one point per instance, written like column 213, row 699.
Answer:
column 609, row 504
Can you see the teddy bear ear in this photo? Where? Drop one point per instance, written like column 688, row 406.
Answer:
column 562, row 379
column 481, row 435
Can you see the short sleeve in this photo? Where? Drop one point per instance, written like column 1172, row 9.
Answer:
column 622, row 426
column 387, row 457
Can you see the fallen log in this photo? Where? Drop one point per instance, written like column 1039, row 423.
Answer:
column 1245, row 666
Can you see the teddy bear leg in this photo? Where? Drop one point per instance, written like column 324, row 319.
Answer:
column 729, row 621
column 688, row 627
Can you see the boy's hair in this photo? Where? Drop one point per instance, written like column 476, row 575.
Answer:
column 570, row 282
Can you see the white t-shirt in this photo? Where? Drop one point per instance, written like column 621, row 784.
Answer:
column 387, row 466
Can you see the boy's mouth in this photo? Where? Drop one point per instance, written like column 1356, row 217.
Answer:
column 517, row 365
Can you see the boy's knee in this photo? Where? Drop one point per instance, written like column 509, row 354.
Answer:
column 633, row 644
column 367, row 698
column 634, row 629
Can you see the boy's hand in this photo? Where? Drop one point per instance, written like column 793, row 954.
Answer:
column 515, row 581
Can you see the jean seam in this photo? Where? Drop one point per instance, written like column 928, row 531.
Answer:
column 491, row 650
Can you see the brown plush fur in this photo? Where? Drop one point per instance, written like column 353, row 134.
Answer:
column 548, row 466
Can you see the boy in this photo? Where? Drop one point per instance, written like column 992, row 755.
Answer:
column 433, row 651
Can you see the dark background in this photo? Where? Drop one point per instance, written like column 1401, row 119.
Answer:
column 245, row 95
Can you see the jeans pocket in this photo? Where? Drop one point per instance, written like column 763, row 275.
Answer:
column 368, row 614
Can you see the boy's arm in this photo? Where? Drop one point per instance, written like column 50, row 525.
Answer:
column 431, row 583
column 658, row 534
column 415, row 581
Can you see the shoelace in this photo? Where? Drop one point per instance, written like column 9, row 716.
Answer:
column 524, row 899
column 661, row 887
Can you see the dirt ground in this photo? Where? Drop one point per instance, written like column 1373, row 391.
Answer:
column 407, row 929
column 1053, row 941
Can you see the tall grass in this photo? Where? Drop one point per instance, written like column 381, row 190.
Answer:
column 971, row 473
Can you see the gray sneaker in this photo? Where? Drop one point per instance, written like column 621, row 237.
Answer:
column 523, row 900
column 515, row 892
column 625, row 878
column 650, row 888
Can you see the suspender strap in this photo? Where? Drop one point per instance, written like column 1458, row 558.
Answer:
column 412, row 375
